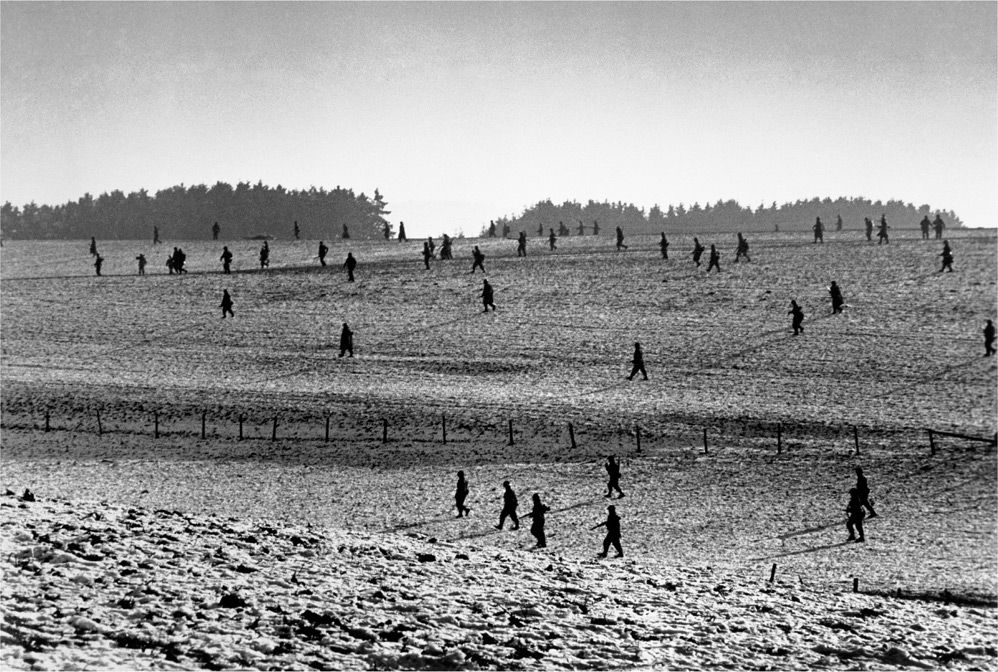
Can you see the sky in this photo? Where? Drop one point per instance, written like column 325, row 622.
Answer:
column 464, row 112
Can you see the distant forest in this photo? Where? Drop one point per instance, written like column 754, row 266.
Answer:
column 721, row 216
column 188, row 213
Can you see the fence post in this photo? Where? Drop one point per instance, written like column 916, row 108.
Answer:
column 705, row 451
column 100, row 427
column 779, row 441
column 155, row 424
column 855, row 584
column 327, row 429
column 273, row 434
column 443, row 422
column 571, row 434
column 384, row 430
column 855, row 438
column 932, row 443
column 46, row 419
column 637, row 436
column 240, row 426
column 511, row 431
column 203, row 415
column 772, row 573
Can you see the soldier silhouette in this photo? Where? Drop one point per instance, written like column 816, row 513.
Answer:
column 836, row 295
column 179, row 259
column 698, row 250
column 226, row 304
column 346, row 340
column 387, row 231
column 445, row 248
column 869, row 228
column 989, row 339
column 323, row 250
column 551, row 240
column 460, row 495
column 226, row 260
column 433, row 246
column 638, row 362
column 427, row 255
column 540, row 229
column 297, row 231
column 505, row 230
column 93, row 246
column 612, row 525
column 798, row 317
column 855, row 513
column 838, row 222
column 947, row 255
column 142, row 264
column 487, row 295
column 346, row 233
column 620, row 239
column 509, row 505
column 265, row 255
column 155, row 235
column 742, row 249
column 562, row 229
column 612, row 467
column 479, row 259
column 819, row 230
column 582, row 228
column 925, row 225
column 521, row 244
column 595, row 228
column 715, row 259
column 663, row 245
column 492, row 229
column 402, row 237
column 98, row 262
column 537, row 526
column 215, row 230
column 863, row 491
column 882, row 231
column 350, row 264
column 938, row 225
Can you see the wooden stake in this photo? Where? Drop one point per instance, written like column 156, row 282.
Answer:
column 932, row 443
column 855, row 585
column 384, row 431
column 203, row 416
column 327, row 429
column 571, row 434
column 100, row 428
column 779, row 441
column 443, row 422
column 855, row 438
column 273, row 434
column 240, row 426
column 772, row 573
column 511, row 431
column 705, row 451
column 637, row 436
column 155, row 425
column 46, row 419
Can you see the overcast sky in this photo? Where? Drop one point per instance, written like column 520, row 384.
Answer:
column 460, row 113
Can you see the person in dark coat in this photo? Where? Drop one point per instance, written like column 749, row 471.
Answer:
column 612, row 525
column 505, row 230
column 387, row 231
column 540, row 229
column 938, row 225
column 537, row 524
column 989, row 339
column 863, row 490
column 562, row 229
column 882, row 231
column 552, row 239
column 323, row 251
column 265, row 255
column 947, row 255
column 226, row 304
column 487, row 297
column 742, row 249
column 169, row 264
column 402, row 237
column 869, row 228
column 663, row 245
column 819, row 230
column 836, row 295
column 179, row 259
column 798, row 317
column 433, row 246
column 226, row 260
column 350, row 264
column 142, row 263
column 612, row 467
column 698, row 250
column 93, row 246
column 460, row 495
column 346, row 233
column 855, row 513
column 581, row 229
column 296, row 230
column 521, row 244
column 427, row 255
column 216, row 229
column 346, row 340
column 595, row 228
column 446, row 251
column 715, row 259
column 838, row 222
column 492, row 229
column 479, row 259
column 638, row 363
column 155, row 235
column 509, row 505
column 620, row 239
column 925, row 225
column 98, row 262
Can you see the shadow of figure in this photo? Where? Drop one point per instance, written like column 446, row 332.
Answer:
column 803, row 551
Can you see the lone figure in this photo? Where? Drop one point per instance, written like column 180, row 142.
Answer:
column 537, row 526
column 925, row 225
column 638, row 362
column 715, row 259
column 460, row 495
column 620, row 239
column 938, row 225
column 350, row 264
column 612, row 525
column 552, row 239
column 296, row 230
column 819, row 230
column 346, row 340
column 947, row 255
column 142, row 264
column 612, row 467
column 855, row 513
column 698, row 250
column 742, row 250
column 487, row 297
column 836, row 295
column 215, row 230
column 798, row 317
column 265, row 255
column 402, row 237
column 882, row 231
column 509, row 505
column 93, row 246
column 226, row 260
column 863, row 489
column 868, row 223
column 323, row 250
column 98, row 262
column 663, row 245
column 989, row 339
column 479, row 259
column 226, row 304
column 521, row 244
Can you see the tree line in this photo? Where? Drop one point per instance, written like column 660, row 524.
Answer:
column 188, row 213
column 721, row 216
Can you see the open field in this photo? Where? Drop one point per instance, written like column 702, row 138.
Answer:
column 904, row 356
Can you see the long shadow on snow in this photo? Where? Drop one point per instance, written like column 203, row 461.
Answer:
column 813, row 549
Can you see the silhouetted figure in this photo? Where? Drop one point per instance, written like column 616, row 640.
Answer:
column 492, row 229
column 265, row 255
column 387, row 231
column 346, row 340
column 402, row 237
column 562, row 229
column 798, row 317
column 612, row 467
column 715, row 259
column 505, row 230
column 855, row 513
column 612, row 525
column 868, row 223
column 179, row 259
column 350, row 264
column 663, row 245
column 323, row 251
column 863, row 491
column 346, row 232
column 537, row 526
column 882, row 231
column 521, row 244
column 427, row 255
column 552, row 239
column 989, row 339
column 938, row 225
column 947, row 255
column 742, row 249
column 836, row 295
column 142, row 263
column 819, row 230
column 226, row 304
column 638, row 363
column 509, row 505
column 433, row 246
column 479, row 259
column 169, row 264
column 595, row 228
column 487, row 295
column 98, row 262
column 155, row 235
column 93, row 246
column 297, row 231
column 582, row 228
column 698, row 250
column 215, row 230
column 540, row 229
column 925, row 225
column 620, row 239
column 226, row 260
column 838, row 222
column 445, row 248
column 460, row 495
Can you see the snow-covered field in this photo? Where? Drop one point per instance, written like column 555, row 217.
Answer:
column 701, row 532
